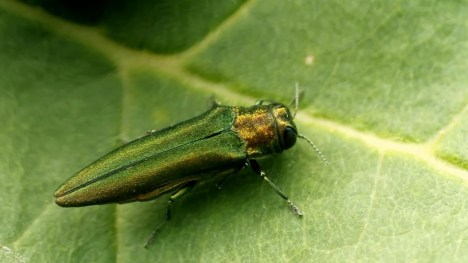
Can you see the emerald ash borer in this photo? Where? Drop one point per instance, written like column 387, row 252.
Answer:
column 213, row 145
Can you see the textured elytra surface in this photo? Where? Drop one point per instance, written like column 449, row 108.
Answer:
column 385, row 101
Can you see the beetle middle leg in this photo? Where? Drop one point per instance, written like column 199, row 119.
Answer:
column 256, row 168
column 221, row 182
column 214, row 102
column 176, row 195
column 230, row 172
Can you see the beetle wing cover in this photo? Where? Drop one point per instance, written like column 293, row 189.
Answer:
column 193, row 147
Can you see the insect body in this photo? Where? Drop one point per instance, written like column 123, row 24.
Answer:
column 217, row 143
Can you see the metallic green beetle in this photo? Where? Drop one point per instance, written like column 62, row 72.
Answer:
column 215, row 144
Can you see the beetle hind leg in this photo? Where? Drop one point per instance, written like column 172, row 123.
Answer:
column 176, row 195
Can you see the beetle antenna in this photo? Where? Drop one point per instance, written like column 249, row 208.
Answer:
column 315, row 147
column 295, row 101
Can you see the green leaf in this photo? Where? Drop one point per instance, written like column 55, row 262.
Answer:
column 385, row 101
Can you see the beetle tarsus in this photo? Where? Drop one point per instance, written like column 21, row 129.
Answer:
column 294, row 208
column 153, row 234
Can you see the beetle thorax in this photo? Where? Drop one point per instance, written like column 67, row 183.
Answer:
column 256, row 126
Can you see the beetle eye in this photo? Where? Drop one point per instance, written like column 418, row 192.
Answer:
column 289, row 137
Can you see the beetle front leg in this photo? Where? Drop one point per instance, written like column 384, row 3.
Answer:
column 256, row 168
column 179, row 193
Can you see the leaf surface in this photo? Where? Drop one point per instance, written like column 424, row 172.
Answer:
column 385, row 101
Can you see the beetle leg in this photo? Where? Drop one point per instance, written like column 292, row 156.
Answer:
column 260, row 102
column 228, row 173
column 256, row 168
column 221, row 182
column 149, row 132
column 214, row 102
column 176, row 195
